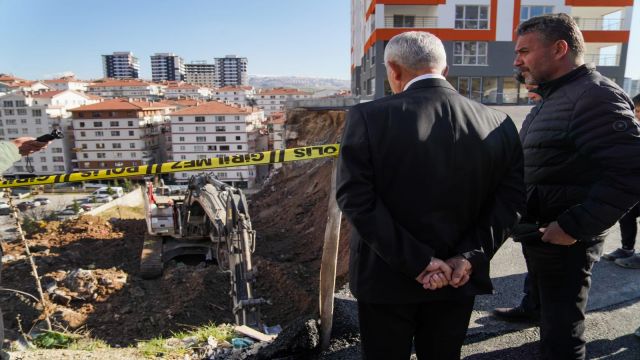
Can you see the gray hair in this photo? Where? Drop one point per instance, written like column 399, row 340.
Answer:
column 416, row 50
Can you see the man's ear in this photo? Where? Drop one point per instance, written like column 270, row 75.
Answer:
column 445, row 72
column 561, row 49
column 396, row 71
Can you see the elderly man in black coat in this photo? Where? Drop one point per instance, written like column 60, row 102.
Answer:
column 432, row 183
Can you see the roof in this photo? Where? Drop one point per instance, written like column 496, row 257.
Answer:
column 122, row 104
column 48, row 94
column 235, row 88
column 9, row 78
column 182, row 102
column 182, row 86
column 119, row 83
column 282, row 91
column 212, row 108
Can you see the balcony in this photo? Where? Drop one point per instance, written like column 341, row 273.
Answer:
column 599, row 24
column 410, row 21
column 602, row 59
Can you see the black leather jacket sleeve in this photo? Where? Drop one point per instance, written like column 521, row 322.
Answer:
column 604, row 131
column 357, row 197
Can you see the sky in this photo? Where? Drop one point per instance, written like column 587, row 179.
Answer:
column 44, row 39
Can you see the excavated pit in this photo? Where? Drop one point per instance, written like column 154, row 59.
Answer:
column 89, row 266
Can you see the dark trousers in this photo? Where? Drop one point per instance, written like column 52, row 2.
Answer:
column 629, row 228
column 436, row 328
column 562, row 275
column 531, row 299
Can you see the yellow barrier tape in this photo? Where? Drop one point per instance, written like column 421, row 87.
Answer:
column 260, row 158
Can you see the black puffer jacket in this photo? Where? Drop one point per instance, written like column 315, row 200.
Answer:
column 581, row 154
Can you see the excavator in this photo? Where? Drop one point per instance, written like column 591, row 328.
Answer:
column 209, row 218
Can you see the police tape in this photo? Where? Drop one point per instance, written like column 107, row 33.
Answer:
column 260, row 158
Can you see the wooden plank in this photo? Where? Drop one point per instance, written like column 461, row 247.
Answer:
column 329, row 263
column 255, row 334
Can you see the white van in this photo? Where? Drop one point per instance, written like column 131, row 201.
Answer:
column 114, row 191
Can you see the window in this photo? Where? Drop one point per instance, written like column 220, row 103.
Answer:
column 219, row 118
column 59, row 168
column 58, row 159
column 38, row 121
column 85, row 155
column 181, row 138
column 129, row 123
column 12, row 131
column 45, row 168
column 180, row 118
column 221, row 138
column 132, row 146
column 237, row 138
column 95, row 114
column 133, row 155
column 84, row 146
column 11, row 121
column 201, row 138
column 83, row 134
column 199, row 118
column 472, row 17
column 115, row 133
column 36, row 112
column 236, row 118
column 99, row 133
column 470, row 53
column 99, row 146
column 224, row 147
column 23, row 121
column 220, row 128
column 25, row 131
column 22, row 112
column 202, row 157
column 131, row 133
column 212, row 147
column 239, row 147
column 101, row 155
column 119, row 156
column 407, row 21
column 114, row 123
column 527, row 12
column 56, row 150
column 97, row 124
column 200, row 129
column 7, row 103
column 81, row 123
column 183, row 157
column 182, row 147
column 8, row 112
column 237, row 128
column 43, row 159
column 198, row 148
column 20, row 103
column 116, row 146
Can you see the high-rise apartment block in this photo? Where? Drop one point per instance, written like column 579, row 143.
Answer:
column 200, row 73
column 231, row 71
column 120, row 65
column 479, row 39
column 167, row 67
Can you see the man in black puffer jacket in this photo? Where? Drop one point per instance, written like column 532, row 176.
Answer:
column 581, row 150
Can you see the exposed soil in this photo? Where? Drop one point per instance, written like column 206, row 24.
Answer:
column 108, row 298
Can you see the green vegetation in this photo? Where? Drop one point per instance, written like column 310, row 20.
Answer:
column 66, row 340
column 163, row 347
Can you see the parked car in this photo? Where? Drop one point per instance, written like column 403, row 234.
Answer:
column 5, row 209
column 86, row 207
column 23, row 206
column 42, row 201
column 114, row 191
column 103, row 198
column 70, row 207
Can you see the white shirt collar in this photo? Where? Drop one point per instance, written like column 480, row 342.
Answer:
column 422, row 77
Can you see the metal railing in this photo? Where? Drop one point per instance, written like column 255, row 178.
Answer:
column 599, row 23
column 410, row 21
column 602, row 59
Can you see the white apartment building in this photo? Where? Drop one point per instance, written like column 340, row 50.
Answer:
column 120, row 65
column 200, row 73
column 239, row 95
column 167, row 67
column 273, row 100
column 117, row 133
column 67, row 83
column 186, row 91
column 216, row 129
column 135, row 89
column 37, row 114
column 231, row 71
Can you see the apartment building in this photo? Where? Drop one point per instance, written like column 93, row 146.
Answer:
column 215, row 129
column 35, row 114
column 200, row 73
column 479, row 39
column 67, row 83
column 119, row 132
column 186, row 91
column 120, row 65
column 239, row 95
column 231, row 71
column 167, row 67
column 631, row 86
column 129, row 88
column 273, row 100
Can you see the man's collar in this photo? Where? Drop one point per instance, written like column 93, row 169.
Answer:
column 422, row 77
column 547, row 88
